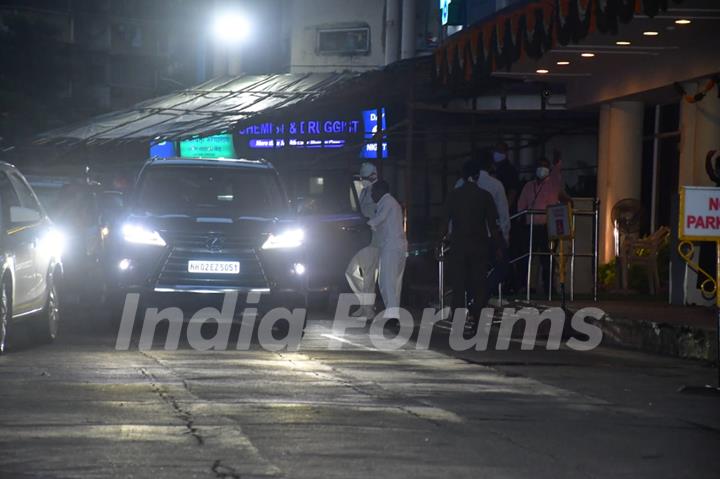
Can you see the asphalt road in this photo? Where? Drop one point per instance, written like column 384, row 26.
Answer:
column 79, row 408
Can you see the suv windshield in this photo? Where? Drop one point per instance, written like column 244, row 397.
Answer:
column 197, row 191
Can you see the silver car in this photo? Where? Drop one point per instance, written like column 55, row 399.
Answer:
column 30, row 260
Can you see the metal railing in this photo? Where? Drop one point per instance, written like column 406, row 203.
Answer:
column 530, row 214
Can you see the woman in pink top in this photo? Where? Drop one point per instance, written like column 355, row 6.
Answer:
column 546, row 189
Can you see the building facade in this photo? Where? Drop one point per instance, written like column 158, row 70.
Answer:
column 68, row 59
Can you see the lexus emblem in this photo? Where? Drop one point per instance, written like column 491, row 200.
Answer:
column 214, row 243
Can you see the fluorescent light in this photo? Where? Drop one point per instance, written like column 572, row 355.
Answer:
column 683, row 21
column 542, row 71
column 622, row 43
column 587, row 55
column 651, row 33
column 230, row 28
column 563, row 63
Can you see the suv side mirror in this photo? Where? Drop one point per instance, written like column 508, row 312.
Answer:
column 20, row 214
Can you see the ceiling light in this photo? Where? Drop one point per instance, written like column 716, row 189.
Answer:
column 542, row 71
column 622, row 43
column 651, row 33
column 683, row 21
column 587, row 55
column 563, row 63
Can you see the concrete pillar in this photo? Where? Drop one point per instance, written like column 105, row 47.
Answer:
column 392, row 31
column 699, row 133
column 619, row 164
column 407, row 46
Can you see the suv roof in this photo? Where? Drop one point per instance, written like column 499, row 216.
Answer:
column 226, row 162
column 5, row 164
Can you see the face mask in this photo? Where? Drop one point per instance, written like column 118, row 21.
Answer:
column 542, row 172
column 366, row 183
column 498, row 157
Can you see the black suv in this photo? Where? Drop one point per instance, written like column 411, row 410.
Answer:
column 210, row 226
column 30, row 259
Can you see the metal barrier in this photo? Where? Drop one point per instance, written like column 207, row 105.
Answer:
column 530, row 215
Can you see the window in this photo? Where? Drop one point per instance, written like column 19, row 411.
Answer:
column 344, row 41
column 8, row 196
column 329, row 194
column 317, row 184
column 210, row 191
column 24, row 193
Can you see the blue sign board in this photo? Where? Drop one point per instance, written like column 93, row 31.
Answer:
column 370, row 122
column 162, row 149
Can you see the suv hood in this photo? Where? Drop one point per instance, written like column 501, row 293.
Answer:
column 246, row 226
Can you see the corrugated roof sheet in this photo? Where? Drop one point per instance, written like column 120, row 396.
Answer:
column 211, row 107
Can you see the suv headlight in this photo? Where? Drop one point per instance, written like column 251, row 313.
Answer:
column 287, row 239
column 139, row 235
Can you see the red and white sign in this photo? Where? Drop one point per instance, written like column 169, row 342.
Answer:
column 559, row 221
column 699, row 213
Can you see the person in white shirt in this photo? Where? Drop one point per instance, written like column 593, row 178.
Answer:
column 362, row 271
column 387, row 225
column 496, row 189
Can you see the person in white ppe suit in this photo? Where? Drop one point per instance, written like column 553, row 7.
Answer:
column 387, row 225
column 362, row 271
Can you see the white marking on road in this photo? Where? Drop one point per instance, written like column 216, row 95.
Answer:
column 343, row 340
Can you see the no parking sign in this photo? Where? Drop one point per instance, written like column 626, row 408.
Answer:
column 699, row 213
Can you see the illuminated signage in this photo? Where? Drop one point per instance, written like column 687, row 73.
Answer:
column 316, row 127
column 303, row 134
column 444, row 10
column 162, row 149
column 317, row 134
column 216, row 146
column 370, row 122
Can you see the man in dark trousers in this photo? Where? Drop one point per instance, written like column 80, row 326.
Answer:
column 473, row 223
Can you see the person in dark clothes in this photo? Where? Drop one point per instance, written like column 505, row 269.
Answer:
column 510, row 179
column 506, row 173
column 471, row 216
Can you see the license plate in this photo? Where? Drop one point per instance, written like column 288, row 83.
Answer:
column 214, row 267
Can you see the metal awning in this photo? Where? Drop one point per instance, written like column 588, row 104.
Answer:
column 212, row 107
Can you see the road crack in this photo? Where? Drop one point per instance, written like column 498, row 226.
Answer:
column 223, row 471
column 181, row 413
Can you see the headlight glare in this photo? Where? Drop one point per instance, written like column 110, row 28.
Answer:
column 53, row 243
column 139, row 235
column 287, row 239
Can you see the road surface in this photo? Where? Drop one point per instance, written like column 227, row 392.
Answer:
column 79, row 408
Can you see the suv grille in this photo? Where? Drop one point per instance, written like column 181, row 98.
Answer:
column 210, row 247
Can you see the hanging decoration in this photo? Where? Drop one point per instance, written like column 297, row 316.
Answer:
column 699, row 96
column 495, row 44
